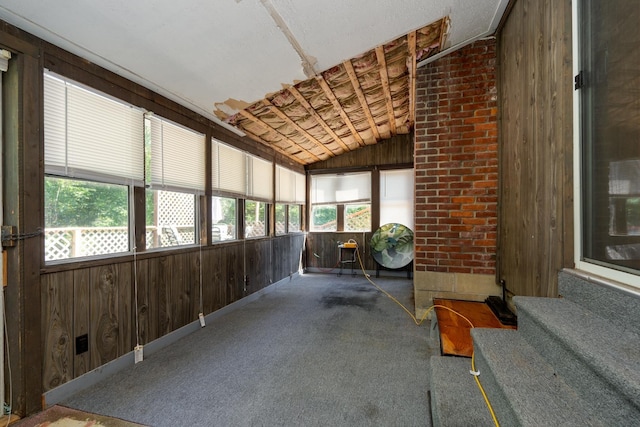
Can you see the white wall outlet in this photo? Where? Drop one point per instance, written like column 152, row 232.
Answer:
column 201, row 317
column 137, row 352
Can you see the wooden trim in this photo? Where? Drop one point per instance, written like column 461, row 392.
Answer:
column 336, row 104
column 140, row 238
column 411, row 41
column 348, row 66
column 375, row 199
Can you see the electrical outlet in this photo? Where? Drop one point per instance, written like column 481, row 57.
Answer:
column 82, row 344
column 137, row 352
column 201, row 317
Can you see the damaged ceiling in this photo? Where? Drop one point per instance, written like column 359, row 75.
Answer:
column 310, row 79
column 356, row 103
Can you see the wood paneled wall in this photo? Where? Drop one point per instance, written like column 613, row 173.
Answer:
column 49, row 306
column 397, row 150
column 100, row 301
column 535, row 127
column 322, row 250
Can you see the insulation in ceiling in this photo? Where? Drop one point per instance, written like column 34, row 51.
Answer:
column 356, row 103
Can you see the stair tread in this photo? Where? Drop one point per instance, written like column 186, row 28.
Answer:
column 455, row 398
column 537, row 394
column 606, row 348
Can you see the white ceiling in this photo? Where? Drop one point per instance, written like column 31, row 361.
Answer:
column 202, row 52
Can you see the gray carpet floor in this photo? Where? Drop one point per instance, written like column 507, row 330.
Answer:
column 319, row 350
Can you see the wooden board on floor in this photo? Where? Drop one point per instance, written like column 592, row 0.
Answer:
column 455, row 336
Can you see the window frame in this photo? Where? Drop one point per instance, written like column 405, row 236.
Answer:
column 611, row 272
column 340, row 205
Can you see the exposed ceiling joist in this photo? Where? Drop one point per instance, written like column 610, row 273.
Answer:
column 336, row 104
column 268, row 129
column 356, row 103
column 348, row 66
column 302, row 100
column 384, row 78
column 297, row 127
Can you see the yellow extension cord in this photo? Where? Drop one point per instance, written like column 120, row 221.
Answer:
column 419, row 322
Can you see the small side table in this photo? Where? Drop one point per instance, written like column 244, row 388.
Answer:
column 347, row 255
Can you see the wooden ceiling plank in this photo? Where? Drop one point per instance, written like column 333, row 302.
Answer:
column 297, row 127
column 384, row 78
column 269, row 129
column 348, row 66
column 336, row 104
column 411, row 59
column 303, row 101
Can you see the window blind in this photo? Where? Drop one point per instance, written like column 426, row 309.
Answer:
column 344, row 188
column 177, row 156
column 396, row 197
column 228, row 168
column 261, row 174
column 301, row 188
column 290, row 186
column 89, row 135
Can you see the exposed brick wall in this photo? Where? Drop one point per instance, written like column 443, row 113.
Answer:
column 456, row 162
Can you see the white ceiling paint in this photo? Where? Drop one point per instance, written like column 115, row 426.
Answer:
column 200, row 52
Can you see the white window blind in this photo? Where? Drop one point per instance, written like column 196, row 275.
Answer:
column 396, row 197
column 301, row 188
column 89, row 135
column 261, row 178
column 285, row 185
column 228, row 168
column 177, row 156
column 343, row 188
column 290, row 186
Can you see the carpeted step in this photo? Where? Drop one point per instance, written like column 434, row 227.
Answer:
column 618, row 305
column 596, row 357
column 455, row 398
column 523, row 388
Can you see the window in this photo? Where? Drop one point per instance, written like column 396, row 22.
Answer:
column 170, row 218
column 84, row 218
column 175, row 179
column 255, row 219
column 396, row 197
column 357, row 217
column 324, row 218
column 609, row 60
column 236, row 173
column 281, row 219
column 290, row 196
column 94, row 155
column 294, row 222
column 223, row 218
column 341, row 202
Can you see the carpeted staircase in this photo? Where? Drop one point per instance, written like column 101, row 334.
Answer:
column 574, row 361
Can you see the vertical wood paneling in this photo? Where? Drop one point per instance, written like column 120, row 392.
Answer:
column 143, row 304
column 81, row 317
column 125, row 308
column 160, row 273
column 209, row 282
column 104, row 336
column 535, row 213
column 322, row 250
column 57, row 324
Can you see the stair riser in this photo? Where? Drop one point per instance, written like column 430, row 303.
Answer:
column 606, row 400
column 619, row 307
column 499, row 402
